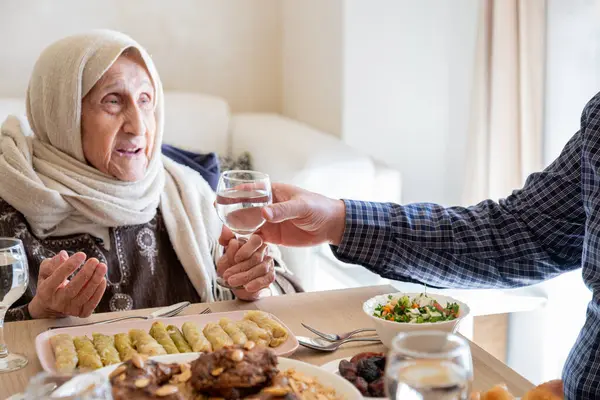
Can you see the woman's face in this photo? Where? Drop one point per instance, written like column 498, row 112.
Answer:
column 117, row 120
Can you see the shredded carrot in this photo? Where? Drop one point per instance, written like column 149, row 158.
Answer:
column 415, row 305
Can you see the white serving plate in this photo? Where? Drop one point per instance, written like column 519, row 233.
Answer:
column 333, row 368
column 341, row 386
column 46, row 356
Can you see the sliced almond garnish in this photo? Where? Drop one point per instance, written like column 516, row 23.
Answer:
column 166, row 390
column 142, row 382
column 184, row 376
column 276, row 391
column 237, row 355
column 217, row 371
column 138, row 361
column 120, row 369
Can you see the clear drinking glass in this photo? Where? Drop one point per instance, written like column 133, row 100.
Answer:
column 240, row 197
column 86, row 386
column 14, row 278
column 428, row 365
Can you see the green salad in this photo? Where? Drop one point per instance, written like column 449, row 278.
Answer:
column 420, row 309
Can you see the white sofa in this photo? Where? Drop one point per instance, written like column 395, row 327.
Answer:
column 287, row 150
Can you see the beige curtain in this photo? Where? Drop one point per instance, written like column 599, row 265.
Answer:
column 505, row 134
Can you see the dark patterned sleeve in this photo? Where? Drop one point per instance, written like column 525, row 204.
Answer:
column 534, row 234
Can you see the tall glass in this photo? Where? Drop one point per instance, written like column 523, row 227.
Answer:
column 14, row 278
column 240, row 198
column 428, row 365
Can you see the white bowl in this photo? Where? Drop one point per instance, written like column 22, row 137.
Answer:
column 387, row 330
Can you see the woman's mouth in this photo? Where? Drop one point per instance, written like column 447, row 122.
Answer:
column 130, row 152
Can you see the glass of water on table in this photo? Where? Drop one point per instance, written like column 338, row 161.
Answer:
column 14, row 278
column 241, row 195
column 429, row 365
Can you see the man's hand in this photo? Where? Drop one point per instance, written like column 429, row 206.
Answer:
column 298, row 217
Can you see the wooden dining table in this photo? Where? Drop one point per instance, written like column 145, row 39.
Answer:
column 331, row 311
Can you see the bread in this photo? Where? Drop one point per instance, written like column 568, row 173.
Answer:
column 498, row 392
column 552, row 390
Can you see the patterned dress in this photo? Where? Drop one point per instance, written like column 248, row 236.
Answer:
column 143, row 269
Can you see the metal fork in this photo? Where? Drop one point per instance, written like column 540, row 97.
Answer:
column 164, row 312
column 205, row 311
column 332, row 337
column 324, row 345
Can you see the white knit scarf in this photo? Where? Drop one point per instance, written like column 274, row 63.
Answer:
column 45, row 176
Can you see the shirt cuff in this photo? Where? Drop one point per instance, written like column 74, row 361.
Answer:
column 20, row 313
column 367, row 233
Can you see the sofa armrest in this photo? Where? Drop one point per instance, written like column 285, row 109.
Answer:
column 295, row 153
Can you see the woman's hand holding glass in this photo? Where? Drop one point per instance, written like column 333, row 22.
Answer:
column 57, row 296
column 245, row 264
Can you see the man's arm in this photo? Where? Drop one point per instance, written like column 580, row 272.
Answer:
column 534, row 234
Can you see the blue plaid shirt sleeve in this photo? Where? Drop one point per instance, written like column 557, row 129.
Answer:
column 534, row 234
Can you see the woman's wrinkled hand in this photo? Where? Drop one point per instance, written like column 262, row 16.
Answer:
column 245, row 264
column 57, row 296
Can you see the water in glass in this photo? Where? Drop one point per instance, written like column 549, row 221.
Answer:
column 240, row 198
column 429, row 366
column 14, row 278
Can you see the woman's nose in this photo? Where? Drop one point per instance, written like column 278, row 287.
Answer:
column 134, row 122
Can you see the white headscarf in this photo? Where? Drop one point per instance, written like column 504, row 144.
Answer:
column 45, row 176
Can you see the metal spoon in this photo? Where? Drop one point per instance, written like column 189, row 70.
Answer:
column 324, row 345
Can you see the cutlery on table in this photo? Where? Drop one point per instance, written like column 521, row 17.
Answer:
column 325, row 345
column 205, row 311
column 222, row 282
column 169, row 311
column 332, row 337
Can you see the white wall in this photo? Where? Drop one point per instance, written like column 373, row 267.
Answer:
column 312, row 62
column 392, row 78
column 227, row 48
column 573, row 68
column 407, row 81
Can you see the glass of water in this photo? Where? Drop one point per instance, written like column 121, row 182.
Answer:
column 85, row 386
column 14, row 278
column 427, row 365
column 240, row 198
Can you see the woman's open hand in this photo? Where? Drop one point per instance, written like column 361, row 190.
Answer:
column 245, row 264
column 56, row 296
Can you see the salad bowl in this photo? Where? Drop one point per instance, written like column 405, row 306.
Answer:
column 394, row 313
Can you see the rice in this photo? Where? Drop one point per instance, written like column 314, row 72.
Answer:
column 308, row 388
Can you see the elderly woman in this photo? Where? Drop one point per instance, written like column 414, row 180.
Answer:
column 107, row 222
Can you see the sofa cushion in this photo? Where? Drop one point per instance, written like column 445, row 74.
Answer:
column 242, row 161
column 196, row 122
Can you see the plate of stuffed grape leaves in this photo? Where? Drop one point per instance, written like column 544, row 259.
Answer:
column 89, row 348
